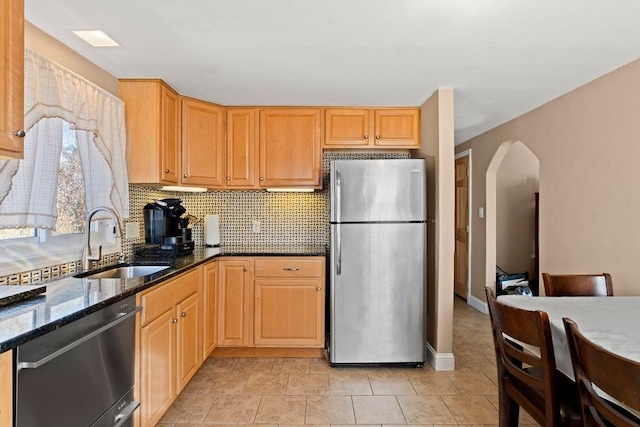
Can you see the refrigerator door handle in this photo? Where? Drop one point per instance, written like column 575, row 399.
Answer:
column 338, row 195
column 338, row 251
column 338, row 207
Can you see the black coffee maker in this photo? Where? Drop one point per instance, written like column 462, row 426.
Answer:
column 162, row 228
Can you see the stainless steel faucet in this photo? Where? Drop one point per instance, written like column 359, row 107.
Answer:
column 87, row 256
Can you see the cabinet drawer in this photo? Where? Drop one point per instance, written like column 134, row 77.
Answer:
column 289, row 267
column 164, row 296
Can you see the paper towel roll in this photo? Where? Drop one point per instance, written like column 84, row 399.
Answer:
column 211, row 230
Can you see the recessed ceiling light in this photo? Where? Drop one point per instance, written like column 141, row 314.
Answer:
column 96, row 38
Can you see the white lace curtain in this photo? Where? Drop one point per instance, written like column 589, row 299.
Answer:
column 28, row 187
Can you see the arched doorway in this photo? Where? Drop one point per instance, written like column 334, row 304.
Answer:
column 511, row 183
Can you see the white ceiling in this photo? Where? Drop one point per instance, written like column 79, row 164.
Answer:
column 502, row 57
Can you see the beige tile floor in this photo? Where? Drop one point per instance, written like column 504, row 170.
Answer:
column 294, row 392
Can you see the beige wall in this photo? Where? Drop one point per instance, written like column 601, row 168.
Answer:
column 41, row 42
column 588, row 145
column 436, row 127
column 516, row 182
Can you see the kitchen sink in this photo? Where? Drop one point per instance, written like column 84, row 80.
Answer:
column 123, row 272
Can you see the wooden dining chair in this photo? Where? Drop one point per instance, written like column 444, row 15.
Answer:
column 577, row 285
column 527, row 379
column 616, row 376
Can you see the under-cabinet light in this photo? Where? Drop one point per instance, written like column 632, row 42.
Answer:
column 291, row 190
column 184, row 189
column 96, row 38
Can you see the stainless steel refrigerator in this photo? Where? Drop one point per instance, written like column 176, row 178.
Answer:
column 377, row 295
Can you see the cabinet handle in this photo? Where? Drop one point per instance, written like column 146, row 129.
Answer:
column 291, row 268
column 166, row 171
column 185, row 175
column 174, row 320
column 228, row 178
column 245, row 269
column 318, row 288
column 183, row 314
column 262, row 178
column 20, row 133
column 366, row 137
column 377, row 136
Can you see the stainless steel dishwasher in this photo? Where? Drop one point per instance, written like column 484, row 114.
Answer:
column 80, row 374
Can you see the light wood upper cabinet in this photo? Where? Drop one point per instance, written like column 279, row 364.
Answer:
column 290, row 147
column 242, row 148
column 202, row 143
column 348, row 127
column 372, row 128
column 235, row 303
column 152, row 123
column 12, row 79
column 210, row 300
column 169, row 135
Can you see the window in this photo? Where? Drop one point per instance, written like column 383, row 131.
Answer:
column 74, row 162
column 70, row 200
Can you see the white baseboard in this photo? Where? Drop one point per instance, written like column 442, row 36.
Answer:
column 440, row 361
column 478, row 304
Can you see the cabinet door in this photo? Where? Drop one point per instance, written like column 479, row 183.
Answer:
column 289, row 313
column 242, row 148
column 202, row 143
column 6, row 388
column 397, row 128
column 169, row 136
column 235, row 304
column 188, row 340
column 157, row 367
column 290, row 150
column 11, row 78
column 348, row 127
column 210, row 308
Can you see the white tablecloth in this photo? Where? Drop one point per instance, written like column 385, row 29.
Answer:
column 611, row 322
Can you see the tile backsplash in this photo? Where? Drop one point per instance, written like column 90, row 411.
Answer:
column 285, row 218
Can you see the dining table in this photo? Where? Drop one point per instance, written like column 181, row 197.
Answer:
column 611, row 322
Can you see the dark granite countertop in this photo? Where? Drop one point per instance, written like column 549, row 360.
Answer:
column 70, row 298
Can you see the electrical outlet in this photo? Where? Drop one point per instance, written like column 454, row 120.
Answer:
column 132, row 230
column 255, row 226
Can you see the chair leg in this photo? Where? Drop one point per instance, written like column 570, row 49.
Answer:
column 509, row 410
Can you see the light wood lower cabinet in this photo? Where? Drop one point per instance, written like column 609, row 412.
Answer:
column 289, row 313
column 6, row 388
column 210, row 311
column 271, row 302
column 188, row 340
column 170, row 340
column 235, row 303
column 157, row 360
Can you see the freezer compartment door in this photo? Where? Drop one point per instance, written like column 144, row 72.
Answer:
column 377, row 302
column 378, row 190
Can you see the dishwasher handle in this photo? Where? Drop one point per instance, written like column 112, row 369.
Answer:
column 70, row 346
column 126, row 413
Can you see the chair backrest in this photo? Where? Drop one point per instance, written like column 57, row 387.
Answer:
column 575, row 285
column 525, row 376
column 615, row 375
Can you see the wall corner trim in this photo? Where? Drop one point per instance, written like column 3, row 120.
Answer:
column 440, row 361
